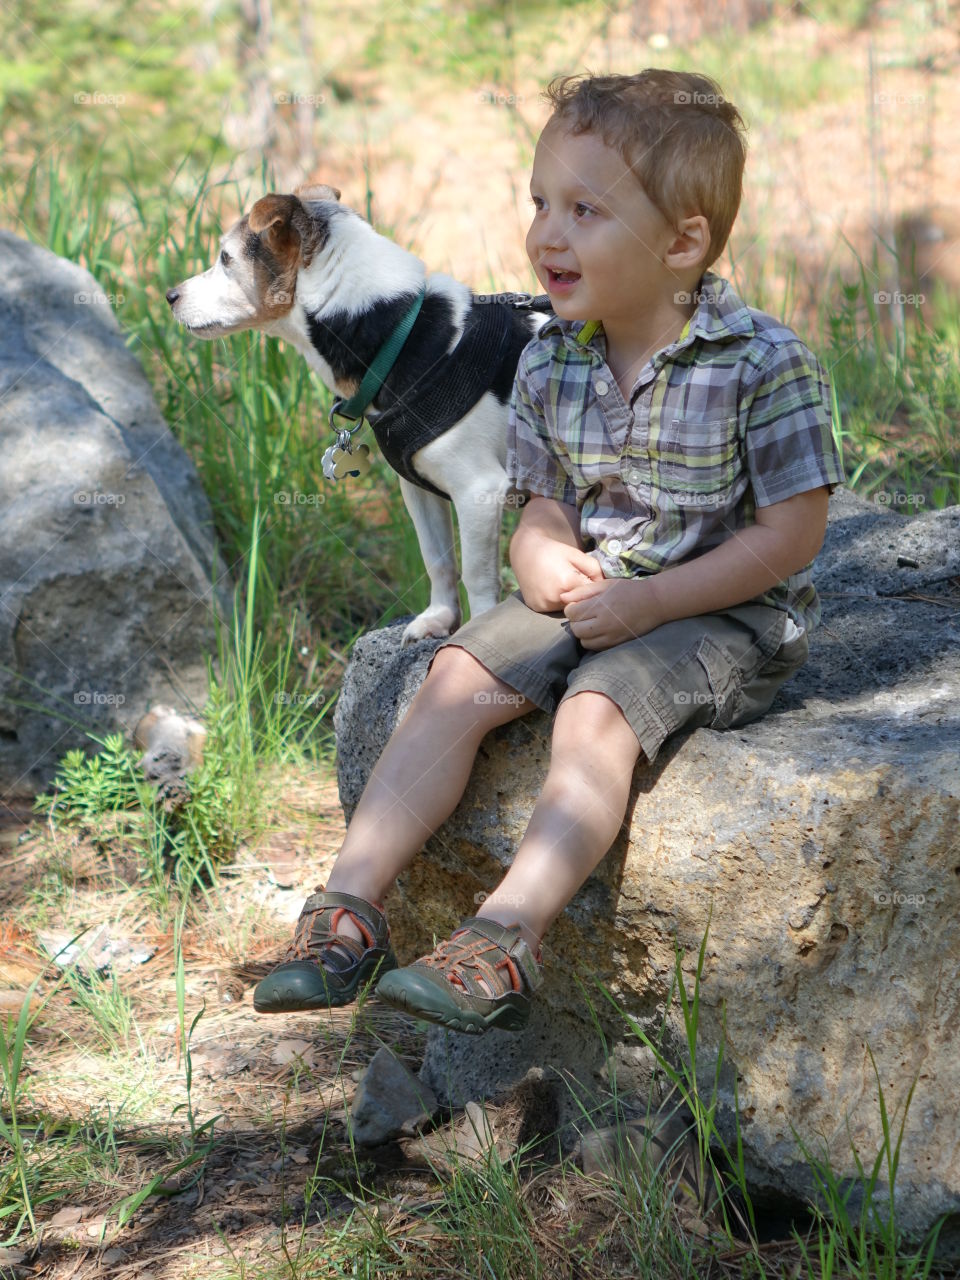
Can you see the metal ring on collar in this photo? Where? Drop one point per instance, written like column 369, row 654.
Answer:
column 343, row 434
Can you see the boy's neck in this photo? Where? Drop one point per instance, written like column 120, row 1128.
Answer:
column 631, row 341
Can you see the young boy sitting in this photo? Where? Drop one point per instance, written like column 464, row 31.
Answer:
column 677, row 449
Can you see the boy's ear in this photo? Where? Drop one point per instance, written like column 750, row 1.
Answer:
column 691, row 243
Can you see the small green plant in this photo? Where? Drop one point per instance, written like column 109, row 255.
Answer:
column 88, row 786
column 109, row 1008
column 195, row 835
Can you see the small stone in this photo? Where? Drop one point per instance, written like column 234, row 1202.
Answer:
column 282, row 871
column 69, row 1216
column 389, row 1101
column 217, row 1062
column 474, row 1134
column 292, row 1051
column 97, row 951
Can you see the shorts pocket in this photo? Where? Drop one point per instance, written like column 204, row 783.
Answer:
column 724, row 679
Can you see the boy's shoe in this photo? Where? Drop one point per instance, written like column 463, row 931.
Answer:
column 313, row 974
column 443, row 987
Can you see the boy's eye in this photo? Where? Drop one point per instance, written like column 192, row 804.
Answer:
column 225, row 258
column 536, row 201
column 580, row 209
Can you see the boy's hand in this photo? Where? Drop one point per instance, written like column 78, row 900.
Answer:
column 547, row 556
column 612, row 610
column 559, row 568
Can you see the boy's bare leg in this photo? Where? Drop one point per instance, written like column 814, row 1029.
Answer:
column 576, row 819
column 421, row 774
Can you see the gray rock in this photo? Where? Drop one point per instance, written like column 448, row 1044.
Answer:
column 106, row 542
column 824, row 838
column 389, row 1101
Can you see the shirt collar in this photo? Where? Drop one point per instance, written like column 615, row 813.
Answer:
column 721, row 313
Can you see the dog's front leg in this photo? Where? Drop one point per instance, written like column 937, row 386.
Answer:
column 433, row 522
column 479, row 509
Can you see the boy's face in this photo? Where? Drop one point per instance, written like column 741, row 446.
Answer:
column 593, row 222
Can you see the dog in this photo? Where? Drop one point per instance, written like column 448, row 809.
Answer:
column 309, row 270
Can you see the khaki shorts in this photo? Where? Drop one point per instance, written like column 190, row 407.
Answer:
column 718, row 670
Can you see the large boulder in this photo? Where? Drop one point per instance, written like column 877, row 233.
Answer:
column 821, row 843
column 106, row 541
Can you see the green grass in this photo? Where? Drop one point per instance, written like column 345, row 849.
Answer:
column 898, row 394
column 16, row 1193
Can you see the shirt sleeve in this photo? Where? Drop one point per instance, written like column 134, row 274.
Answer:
column 786, row 426
column 533, row 465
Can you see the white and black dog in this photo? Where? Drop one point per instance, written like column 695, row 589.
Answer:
column 307, row 269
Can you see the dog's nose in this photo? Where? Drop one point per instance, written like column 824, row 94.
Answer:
column 172, row 295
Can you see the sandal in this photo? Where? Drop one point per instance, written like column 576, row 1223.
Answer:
column 313, row 974
column 443, row 987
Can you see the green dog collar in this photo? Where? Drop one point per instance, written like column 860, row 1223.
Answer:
column 381, row 365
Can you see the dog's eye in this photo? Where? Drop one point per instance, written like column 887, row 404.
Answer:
column 225, row 258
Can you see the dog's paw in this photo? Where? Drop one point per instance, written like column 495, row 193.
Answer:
column 437, row 622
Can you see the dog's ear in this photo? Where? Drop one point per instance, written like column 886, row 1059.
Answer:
column 308, row 191
column 274, row 218
column 287, row 230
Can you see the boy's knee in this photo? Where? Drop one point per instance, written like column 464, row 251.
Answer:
column 591, row 714
column 454, row 665
column 455, row 675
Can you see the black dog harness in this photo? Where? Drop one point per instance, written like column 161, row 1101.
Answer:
column 489, row 341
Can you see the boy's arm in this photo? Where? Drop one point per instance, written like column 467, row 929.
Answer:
column 794, row 465
column 786, row 537
column 550, row 519
column 546, row 554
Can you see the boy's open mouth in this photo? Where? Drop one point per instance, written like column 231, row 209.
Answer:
column 562, row 277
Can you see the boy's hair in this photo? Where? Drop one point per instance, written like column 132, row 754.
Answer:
column 680, row 137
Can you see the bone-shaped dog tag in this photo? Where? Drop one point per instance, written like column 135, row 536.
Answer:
column 337, row 463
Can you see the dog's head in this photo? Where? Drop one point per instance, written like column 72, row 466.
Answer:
column 254, row 279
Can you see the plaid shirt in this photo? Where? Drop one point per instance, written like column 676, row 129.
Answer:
column 733, row 415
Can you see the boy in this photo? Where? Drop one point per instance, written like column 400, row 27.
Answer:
column 677, row 451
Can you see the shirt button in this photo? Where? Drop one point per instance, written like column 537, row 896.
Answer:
column 635, row 476
column 602, row 387
column 614, row 546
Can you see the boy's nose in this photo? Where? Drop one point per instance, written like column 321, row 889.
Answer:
column 549, row 233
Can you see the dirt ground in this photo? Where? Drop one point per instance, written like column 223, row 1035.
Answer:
column 279, row 1087
column 104, row 1099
